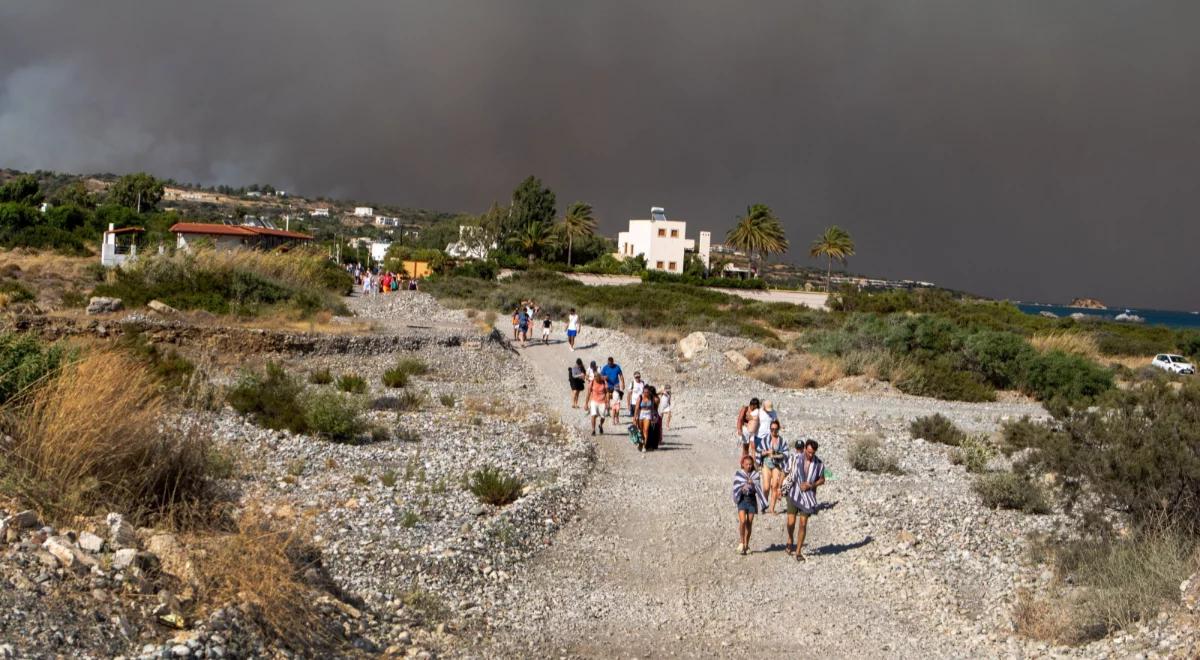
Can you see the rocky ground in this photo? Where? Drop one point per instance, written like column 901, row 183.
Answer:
column 608, row 552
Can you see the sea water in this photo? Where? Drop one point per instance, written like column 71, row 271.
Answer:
column 1168, row 318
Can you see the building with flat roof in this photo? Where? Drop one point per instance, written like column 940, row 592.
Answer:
column 663, row 243
column 235, row 237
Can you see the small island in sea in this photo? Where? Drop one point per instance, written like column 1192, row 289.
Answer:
column 1088, row 303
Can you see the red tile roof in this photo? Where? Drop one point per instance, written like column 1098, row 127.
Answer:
column 234, row 230
column 125, row 230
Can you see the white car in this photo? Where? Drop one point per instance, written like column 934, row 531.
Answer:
column 1176, row 364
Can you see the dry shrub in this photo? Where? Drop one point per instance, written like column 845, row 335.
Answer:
column 799, row 371
column 268, row 565
column 1067, row 342
column 90, row 441
column 1044, row 619
column 658, row 336
column 756, row 355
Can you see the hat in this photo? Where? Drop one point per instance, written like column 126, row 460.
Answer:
column 767, row 406
column 638, row 374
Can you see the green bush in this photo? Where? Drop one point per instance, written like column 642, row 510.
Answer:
column 334, row 417
column 352, row 383
column 494, row 487
column 941, row 379
column 25, row 361
column 936, row 428
column 320, row 377
column 1137, row 451
column 1002, row 358
column 1069, row 378
column 413, row 366
column 1006, row 490
column 271, row 399
column 974, row 453
column 394, row 378
column 480, row 270
column 12, row 291
column 447, row 400
column 172, row 368
column 867, row 454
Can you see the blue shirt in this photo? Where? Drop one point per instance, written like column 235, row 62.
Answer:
column 612, row 373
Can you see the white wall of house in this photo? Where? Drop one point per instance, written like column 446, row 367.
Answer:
column 704, row 248
column 219, row 242
column 364, row 211
column 379, row 250
column 322, row 212
column 662, row 242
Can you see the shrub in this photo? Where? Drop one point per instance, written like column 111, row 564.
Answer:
column 480, row 270
column 447, row 400
column 799, row 371
column 1000, row 357
column 388, row 478
column 936, row 428
column 271, row 399
column 407, row 401
column 867, row 454
column 93, row 439
column 410, row 519
column 334, row 416
column 351, row 383
column 941, row 379
column 73, row 299
column 394, row 378
column 12, row 292
column 174, row 369
column 1069, row 378
column 320, row 377
column 974, row 453
column 1135, row 452
column 494, row 487
column 25, row 361
column 413, row 366
column 1007, row 490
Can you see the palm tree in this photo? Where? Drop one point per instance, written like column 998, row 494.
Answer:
column 534, row 239
column 758, row 232
column 835, row 243
column 578, row 222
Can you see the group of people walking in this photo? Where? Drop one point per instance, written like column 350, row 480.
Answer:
column 769, row 471
column 648, row 409
column 378, row 281
column 528, row 314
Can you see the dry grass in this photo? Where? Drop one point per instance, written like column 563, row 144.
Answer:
column 39, row 263
column 1067, row 342
column 658, row 336
column 320, row 322
column 90, row 441
column 493, row 407
column 756, row 355
column 1044, row 619
column 799, row 371
column 264, row 564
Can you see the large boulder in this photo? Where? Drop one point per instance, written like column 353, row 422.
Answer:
column 738, row 360
column 162, row 308
column 692, row 345
column 120, row 533
column 103, row 305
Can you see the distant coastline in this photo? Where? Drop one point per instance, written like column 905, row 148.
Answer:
column 1162, row 317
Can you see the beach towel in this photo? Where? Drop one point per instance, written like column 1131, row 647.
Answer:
column 805, row 499
column 744, row 483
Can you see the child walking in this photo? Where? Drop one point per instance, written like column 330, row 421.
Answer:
column 750, row 500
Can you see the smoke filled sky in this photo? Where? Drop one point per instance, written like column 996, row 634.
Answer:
column 1032, row 150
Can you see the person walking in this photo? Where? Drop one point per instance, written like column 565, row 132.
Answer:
column 575, row 374
column 523, row 325
column 766, row 415
column 772, row 459
column 749, row 498
column 516, row 321
column 573, row 327
column 647, row 410
column 664, row 407
column 635, row 391
column 597, row 403
column 806, row 473
column 545, row 329
column 367, row 290
column 615, row 379
column 746, row 426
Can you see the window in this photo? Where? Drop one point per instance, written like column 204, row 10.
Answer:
column 671, row 266
column 662, row 232
column 674, row 233
column 658, row 265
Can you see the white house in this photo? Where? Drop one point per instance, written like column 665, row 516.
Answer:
column 379, row 251
column 322, row 212
column 661, row 241
column 471, row 244
column 119, row 246
column 386, row 221
column 364, row 211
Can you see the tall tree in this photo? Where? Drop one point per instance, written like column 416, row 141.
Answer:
column 834, row 243
column 534, row 240
column 22, row 190
column 759, row 233
column 140, row 192
column 577, row 223
column 531, row 203
column 74, row 194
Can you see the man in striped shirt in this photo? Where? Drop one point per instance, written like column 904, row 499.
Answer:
column 805, row 473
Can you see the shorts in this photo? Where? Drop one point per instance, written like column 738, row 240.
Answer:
column 645, row 414
column 663, row 411
column 769, row 464
column 748, row 504
column 524, row 328
column 596, row 409
column 545, row 333
column 797, row 509
column 577, row 384
column 572, row 333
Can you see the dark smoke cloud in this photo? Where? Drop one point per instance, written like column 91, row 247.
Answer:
column 1037, row 150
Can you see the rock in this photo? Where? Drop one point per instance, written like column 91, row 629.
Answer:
column 67, row 554
column 172, row 556
column 103, row 305
column 120, row 533
column 89, row 542
column 123, row 558
column 22, row 520
column 162, row 308
column 1189, row 592
column 738, row 360
column 181, row 650
column 692, row 345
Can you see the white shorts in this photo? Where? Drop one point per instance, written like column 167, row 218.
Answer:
column 545, row 333
column 596, row 409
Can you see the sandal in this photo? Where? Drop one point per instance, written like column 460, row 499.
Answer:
column 799, row 556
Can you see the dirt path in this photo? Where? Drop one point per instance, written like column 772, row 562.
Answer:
column 649, row 567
